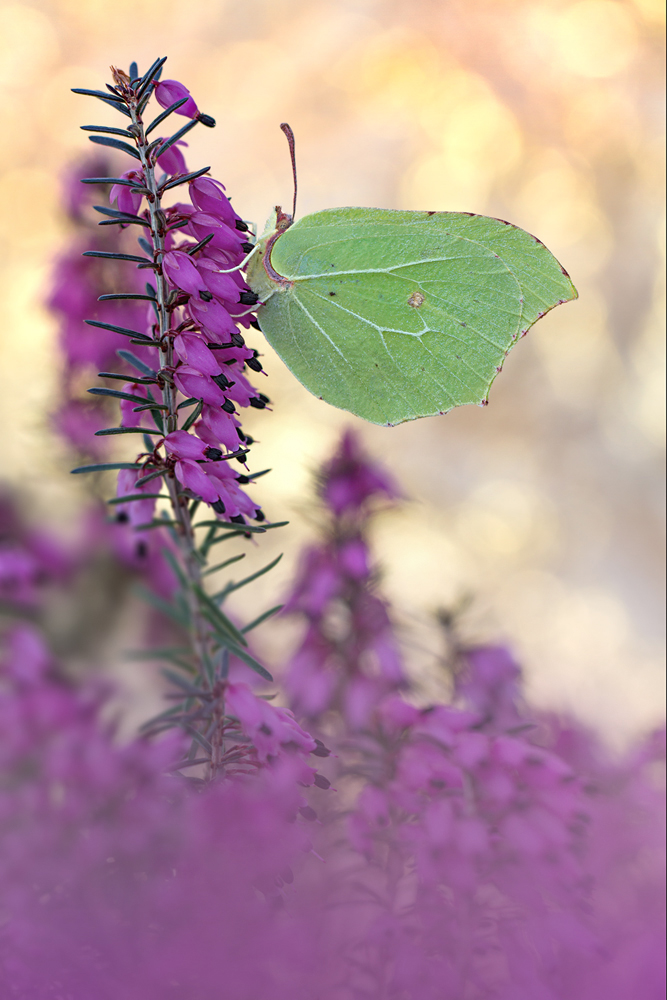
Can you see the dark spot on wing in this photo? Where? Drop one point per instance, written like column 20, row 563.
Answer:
column 332, row 293
column 415, row 300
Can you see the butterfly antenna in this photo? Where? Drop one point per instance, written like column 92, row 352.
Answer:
column 290, row 142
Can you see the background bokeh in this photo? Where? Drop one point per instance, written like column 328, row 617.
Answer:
column 544, row 507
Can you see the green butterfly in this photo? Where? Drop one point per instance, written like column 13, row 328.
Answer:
column 397, row 315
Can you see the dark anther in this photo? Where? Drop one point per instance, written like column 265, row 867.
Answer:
column 321, row 781
column 241, row 458
column 237, row 340
column 248, row 298
column 230, row 361
column 241, row 226
column 308, row 813
column 122, row 517
column 243, row 480
column 259, row 404
column 141, row 550
column 228, row 406
column 238, row 519
column 254, row 322
column 254, row 364
column 206, row 120
column 264, row 728
column 264, row 399
column 218, row 507
column 320, row 750
column 249, row 440
column 213, row 454
column 247, row 247
column 221, row 381
column 260, row 515
column 205, row 295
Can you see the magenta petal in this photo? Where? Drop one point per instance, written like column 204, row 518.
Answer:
column 195, row 385
column 181, row 271
column 194, row 479
column 212, row 318
column 192, row 349
column 167, row 92
column 209, row 196
column 184, row 445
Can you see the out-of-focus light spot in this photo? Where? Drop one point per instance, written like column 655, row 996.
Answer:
column 28, row 210
column 479, row 140
column 28, row 45
column 596, row 38
column 652, row 11
column 557, row 201
column 504, row 518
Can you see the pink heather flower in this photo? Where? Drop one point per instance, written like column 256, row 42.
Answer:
column 135, row 511
column 181, row 271
column 172, row 160
column 224, row 237
column 184, row 445
column 214, row 318
column 218, row 426
column 269, row 728
column 225, row 287
column 192, row 350
column 126, row 199
column 350, row 479
column 193, row 384
column 167, row 92
column 209, row 196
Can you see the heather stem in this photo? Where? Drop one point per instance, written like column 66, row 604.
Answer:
column 198, row 630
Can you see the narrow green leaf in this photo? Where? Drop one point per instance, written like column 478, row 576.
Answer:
column 133, row 258
column 139, row 496
column 136, row 362
column 165, row 114
column 117, row 394
column 108, row 129
column 176, row 710
column 223, row 565
column 177, row 569
column 160, row 653
column 193, row 416
column 126, row 430
column 119, row 329
column 217, row 618
column 176, row 614
column 160, row 523
column 231, row 526
column 124, row 147
column 126, row 378
column 183, row 179
column 107, row 180
column 231, row 587
column 113, row 296
column 151, row 475
column 244, row 655
column 174, row 138
column 149, row 75
column 262, row 618
column 105, row 467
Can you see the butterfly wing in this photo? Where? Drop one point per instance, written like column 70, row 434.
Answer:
column 397, row 315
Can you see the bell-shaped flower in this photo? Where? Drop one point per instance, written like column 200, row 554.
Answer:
column 172, row 160
column 167, row 92
column 224, row 237
column 126, row 199
column 181, row 272
column 184, row 445
column 195, row 385
column 218, row 427
column 213, row 318
column 194, row 478
column 224, row 286
column 193, row 351
column 209, row 196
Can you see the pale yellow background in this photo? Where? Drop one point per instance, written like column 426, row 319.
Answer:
column 546, row 505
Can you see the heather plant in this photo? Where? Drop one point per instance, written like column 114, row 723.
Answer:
column 473, row 849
